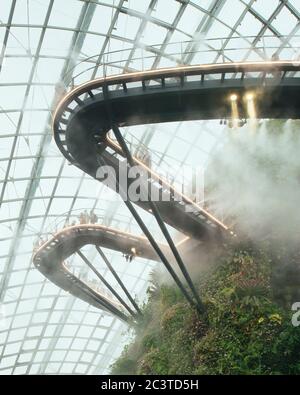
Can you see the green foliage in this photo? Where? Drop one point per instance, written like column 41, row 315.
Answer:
column 245, row 330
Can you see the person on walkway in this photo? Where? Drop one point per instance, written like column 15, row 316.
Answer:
column 86, row 217
column 82, row 219
column 93, row 217
column 277, row 72
column 36, row 245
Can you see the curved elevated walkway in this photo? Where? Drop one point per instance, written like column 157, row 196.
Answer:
column 84, row 117
column 49, row 259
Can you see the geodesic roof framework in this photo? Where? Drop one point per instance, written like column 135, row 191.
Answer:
column 46, row 45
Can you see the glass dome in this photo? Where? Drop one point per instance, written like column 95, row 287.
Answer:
column 46, row 46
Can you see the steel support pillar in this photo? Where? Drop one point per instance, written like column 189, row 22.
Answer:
column 161, row 224
column 153, row 243
column 120, row 282
column 102, row 279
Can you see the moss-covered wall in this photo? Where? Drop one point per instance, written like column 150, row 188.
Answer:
column 245, row 331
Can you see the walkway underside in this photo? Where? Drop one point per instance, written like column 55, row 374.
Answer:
column 50, row 258
column 87, row 113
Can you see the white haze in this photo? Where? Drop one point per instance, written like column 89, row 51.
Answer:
column 255, row 180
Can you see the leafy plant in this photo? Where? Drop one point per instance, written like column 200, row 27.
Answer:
column 247, row 331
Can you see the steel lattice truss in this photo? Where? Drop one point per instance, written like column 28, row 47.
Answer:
column 42, row 328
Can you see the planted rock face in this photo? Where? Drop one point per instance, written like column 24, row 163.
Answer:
column 245, row 332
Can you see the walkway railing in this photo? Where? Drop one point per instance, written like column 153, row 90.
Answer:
column 203, row 51
column 67, row 219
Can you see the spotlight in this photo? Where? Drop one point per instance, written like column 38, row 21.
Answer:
column 250, row 96
column 233, row 97
column 251, row 105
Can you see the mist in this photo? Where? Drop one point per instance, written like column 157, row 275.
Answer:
column 254, row 181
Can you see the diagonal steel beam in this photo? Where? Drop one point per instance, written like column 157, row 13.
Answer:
column 106, row 283
column 152, row 240
column 161, row 224
column 120, row 282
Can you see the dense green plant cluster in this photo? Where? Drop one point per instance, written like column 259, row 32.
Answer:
column 244, row 332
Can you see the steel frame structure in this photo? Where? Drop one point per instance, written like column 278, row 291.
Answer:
column 74, row 126
column 16, row 226
column 50, row 259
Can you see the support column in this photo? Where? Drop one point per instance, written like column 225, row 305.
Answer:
column 102, row 279
column 161, row 224
column 120, row 282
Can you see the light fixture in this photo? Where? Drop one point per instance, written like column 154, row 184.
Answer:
column 250, row 96
column 251, row 106
column 233, row 97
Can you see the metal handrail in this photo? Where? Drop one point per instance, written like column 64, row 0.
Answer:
column 66, row 218
column 174, row 55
